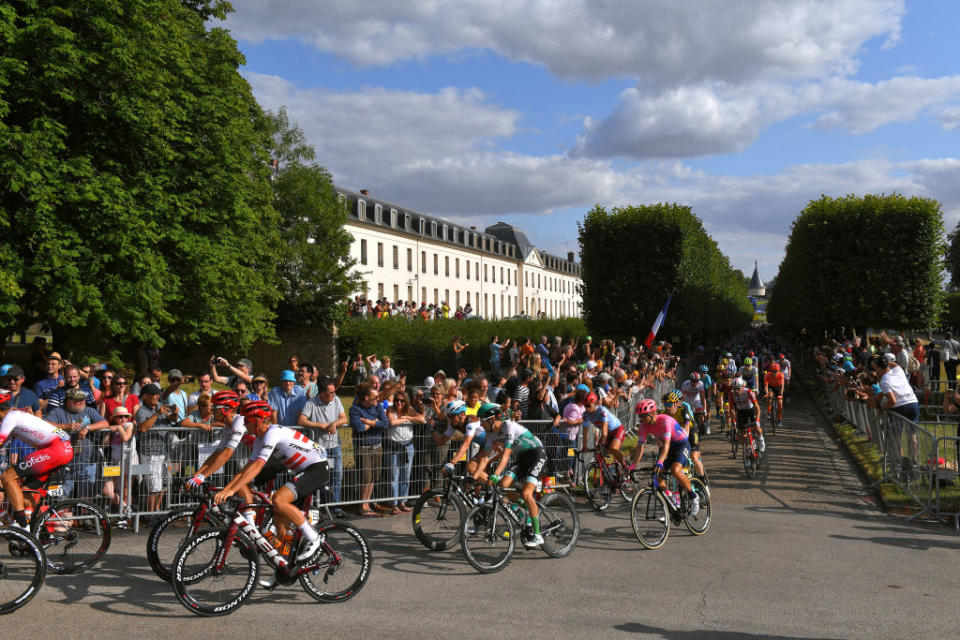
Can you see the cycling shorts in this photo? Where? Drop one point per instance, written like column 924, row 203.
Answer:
column 530, row 464
column 776, row 391
column 37, row 467
column 617, row 435
column 745, row 417
column 679, row 452
column 269, row 471
column 313, row 478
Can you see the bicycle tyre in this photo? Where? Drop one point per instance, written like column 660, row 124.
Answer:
column 650, row 518
column 24, row 568
column 344, row 558
column 74, row 534
column 596, row 487
column 698, row 524
column 168, row 535
column 488, row 538
column 437, row 525
column 749, row 461
column 207, row 593
column 559, row 523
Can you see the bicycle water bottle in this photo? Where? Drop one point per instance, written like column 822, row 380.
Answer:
column 674, row 498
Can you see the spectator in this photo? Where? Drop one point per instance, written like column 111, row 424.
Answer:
column 79, row 420
column 259, row 388
column 375, row 364
column 89, row 382
column 205, row 380
column 305, row 380
column 243, row 391
column 898, row 397
column 202, row 415
column 51, row 381
column 572, row 419
column 543, row 349
column 293, row 363
column 540, row 408
column 119, row 396
column 495, row 349
column 321, row 417
column 368, row 421
column 174, row 396
column 386, row 373
column 521, row 395
column 23, row 399
column 286, row 400
column 71, row 380
column 153, row 420
column 243, row 371
column 399, row 447
column 458, row 347
column 121, row 430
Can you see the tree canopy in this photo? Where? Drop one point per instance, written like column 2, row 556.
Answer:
column 635, row 256
column 137, row 199
column 862, row 261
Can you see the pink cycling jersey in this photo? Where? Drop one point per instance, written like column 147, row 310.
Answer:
column 291, row 448
column 34, row 431
column 663, row 428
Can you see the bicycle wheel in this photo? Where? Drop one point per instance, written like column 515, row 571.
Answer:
column 629, row 483
column 168, row 534
column 343, row 564
column 596, row 487
column 22, row 568
column 436, row 520
column 559, row 524
column 698, row 524
column 749, row 461
column 649, row 517
column 74, row 534
column 209, row 585
column 488, row 538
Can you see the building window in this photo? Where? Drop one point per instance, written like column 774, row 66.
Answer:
column 409, row 294
column 406, row 222
column 379, row 291
column 436, row 297
column 396, row 257
column 362, row 209
column 423, row 226
column 363, row 252
column 538, row 281
column 436, row 265
column 508, row 277
column 493, row 277
column 468, row 297
column 501, row 278
column 456, row 267
column 467, row 262
column 477, row 273
column 396, row 293
column 446, row 296
column 379, row 254
column 433, row 229
column 485, row 280
column 378, row 214
column 393, row 218
column 423, row 295
column 423, row 263
column 458, row 298
column 444, row 232
column 446, row 266
column 409, row 259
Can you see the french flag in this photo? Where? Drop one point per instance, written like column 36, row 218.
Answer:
column 657, row 323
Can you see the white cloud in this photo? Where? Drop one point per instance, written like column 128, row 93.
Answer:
column 660, row 40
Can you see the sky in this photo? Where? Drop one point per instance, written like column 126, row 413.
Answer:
column 533, row 111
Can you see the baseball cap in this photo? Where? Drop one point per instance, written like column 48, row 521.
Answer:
column 150, row 388
column 54, row 355
column 13, row 370
column 287, row 376
column 75, row 394
column 428, row 382
column 889, row 357
column 439, row 373
column 175, row 374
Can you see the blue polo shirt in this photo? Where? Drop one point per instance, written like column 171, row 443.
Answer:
column 288, row 407
column 365, row 436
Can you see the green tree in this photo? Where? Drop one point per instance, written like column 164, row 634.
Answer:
column 135, row 199
column 952, row 257
column 830, row 277
column 314, row 270
column 634, row 256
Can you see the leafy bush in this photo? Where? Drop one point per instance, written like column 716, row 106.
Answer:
column 420, row 348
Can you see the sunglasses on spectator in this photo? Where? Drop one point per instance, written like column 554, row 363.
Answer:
column 120, row 383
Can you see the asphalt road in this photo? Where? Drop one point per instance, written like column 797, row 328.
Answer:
column 800, row 551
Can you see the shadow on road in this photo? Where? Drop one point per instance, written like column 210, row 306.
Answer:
column 706, row 634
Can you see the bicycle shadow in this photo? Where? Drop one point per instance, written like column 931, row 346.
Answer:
column 705, row 634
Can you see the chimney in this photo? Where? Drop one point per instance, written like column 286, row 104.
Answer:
column 364, row 192
column 473, row 228
column 570, row 256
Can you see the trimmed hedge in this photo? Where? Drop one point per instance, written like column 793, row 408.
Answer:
column 421, row 347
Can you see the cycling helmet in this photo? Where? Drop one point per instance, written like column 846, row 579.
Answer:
column 645, row 407
column 727, row 355
column 751, row 353
column 5, row 396
column 591, row 399
column 774, row 367
column 257, row 409
column 672, row 398
column 747, row 362
column 694, row 377
column 455, row 407
column 781, row 356
column 487, row 410
column 225, row 400
column 737, row 383
column 704, row 368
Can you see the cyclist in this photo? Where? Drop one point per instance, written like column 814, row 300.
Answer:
column 225, row 404
column 787, row 370
column 748, row 408
column 685, row 416
column 529, row 459
column 775, row 382
column 723, row 392
column 472, row 431
column 695, row 395
column 53, row 450
column 750, row 374
column 673, row 443
column 611, row 429
column 295, row 451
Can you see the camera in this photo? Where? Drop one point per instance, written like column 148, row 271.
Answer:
column 189, row 378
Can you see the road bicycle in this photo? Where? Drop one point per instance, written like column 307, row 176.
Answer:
column 169, row 532
column 74, row 534
column 489, row 530
column 653, row 510
column 750, row 450
column 601, row 479
column 23, row 567
column 216, row 571
column 438, row 513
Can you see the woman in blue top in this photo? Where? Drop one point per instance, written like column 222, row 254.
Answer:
column 495, row 348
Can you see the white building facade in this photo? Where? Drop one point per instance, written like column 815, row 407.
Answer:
column 403, row 255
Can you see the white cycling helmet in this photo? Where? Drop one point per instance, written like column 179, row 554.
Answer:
column 455, row 407
column 737, row 383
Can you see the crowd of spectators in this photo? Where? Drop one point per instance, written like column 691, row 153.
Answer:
column 361, row 307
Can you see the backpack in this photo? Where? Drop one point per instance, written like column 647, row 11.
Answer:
column 913, row 365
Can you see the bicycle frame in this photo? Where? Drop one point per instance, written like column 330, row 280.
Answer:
column 498, row 495
column 600, row 456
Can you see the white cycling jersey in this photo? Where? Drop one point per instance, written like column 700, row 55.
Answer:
column 691, row 394
column 233, row 434
column 291, row 448
column 34, row 431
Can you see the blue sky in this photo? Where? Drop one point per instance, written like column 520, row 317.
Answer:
column 532, row 111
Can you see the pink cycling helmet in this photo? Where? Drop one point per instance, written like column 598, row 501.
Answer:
column 646, row 406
